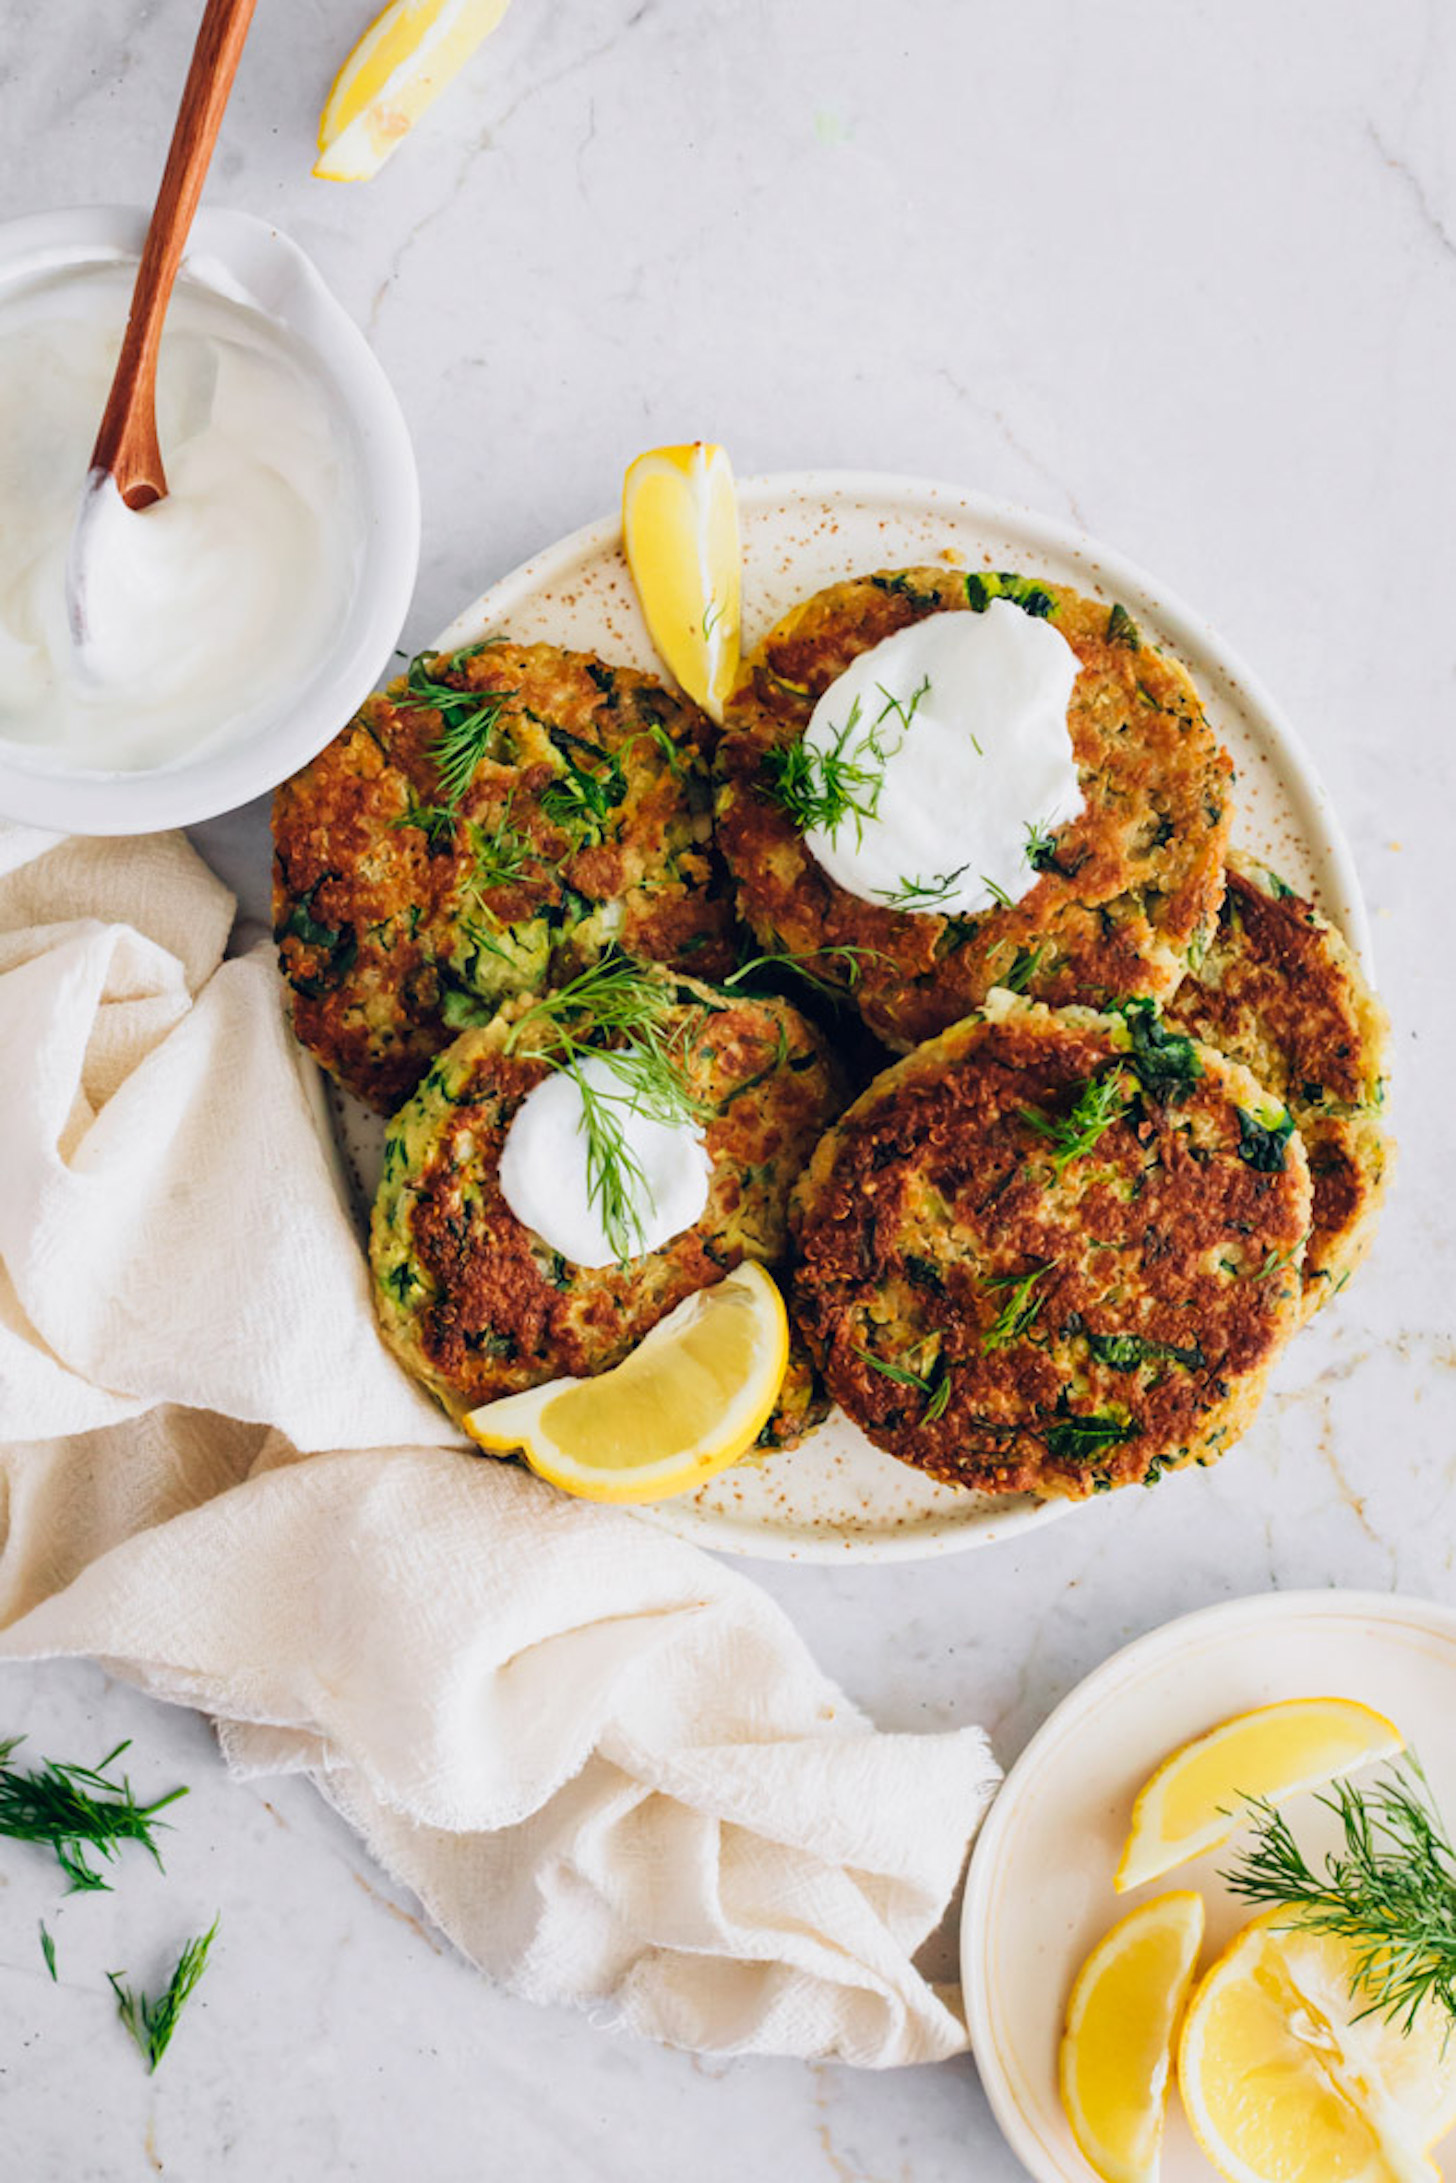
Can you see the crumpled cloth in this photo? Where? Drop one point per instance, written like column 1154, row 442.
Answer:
column 604, row 1761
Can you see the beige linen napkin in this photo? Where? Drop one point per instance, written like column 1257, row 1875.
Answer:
column 605, row 1762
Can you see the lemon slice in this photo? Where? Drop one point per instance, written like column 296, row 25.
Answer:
column 399, row 67
column 680, row 529
column 1283, row 2085
column 691, row 1398
column 1121, row 2020
column 1193, row 1802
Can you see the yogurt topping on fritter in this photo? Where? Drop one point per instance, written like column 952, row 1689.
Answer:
column 939, row 756
column 553, row 1187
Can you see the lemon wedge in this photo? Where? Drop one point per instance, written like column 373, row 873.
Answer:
column 399, row 67
column 680, row 529
column 1194, row 1800
column 1117, row 2050
column 1283, row 2082
column 691, row 1398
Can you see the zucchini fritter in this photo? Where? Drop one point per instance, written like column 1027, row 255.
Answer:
column 477, row 1305
column 1278, row 990
column 1124, row 889
column 487, row 827
column 1052, row 1251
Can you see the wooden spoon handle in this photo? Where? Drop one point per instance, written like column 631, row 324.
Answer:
column 126, row 444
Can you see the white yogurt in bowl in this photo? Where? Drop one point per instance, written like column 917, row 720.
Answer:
column 231, row 629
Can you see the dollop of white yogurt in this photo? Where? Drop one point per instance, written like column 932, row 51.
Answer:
column 543, row 1168
column 203, row 610
column 957, row 730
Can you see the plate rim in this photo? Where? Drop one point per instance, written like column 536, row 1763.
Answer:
column 1193, row 635
column 1153, row 1646
column 1192, row 630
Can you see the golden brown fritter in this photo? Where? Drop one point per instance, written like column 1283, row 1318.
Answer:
column 405, row 911
column 477, row 1305
column 1278, row 990
column 1124, row 890
column 1053, row 1252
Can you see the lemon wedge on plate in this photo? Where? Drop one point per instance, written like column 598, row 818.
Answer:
column 680, row 530
column 692, row 1398
column 1117, row 2050
column 1284, row 2082
column 1194, row 1800
column 399, row 67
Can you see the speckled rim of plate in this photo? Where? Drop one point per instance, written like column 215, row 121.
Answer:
column 1059, row 1821
column 838, row 1499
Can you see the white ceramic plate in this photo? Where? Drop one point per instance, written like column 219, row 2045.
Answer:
column 837, row 1498
column 1040, row 1889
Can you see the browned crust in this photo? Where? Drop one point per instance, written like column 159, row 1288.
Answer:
column 933, row 1194
column 388, row 940
column 1279, row 990
column 1140, row 870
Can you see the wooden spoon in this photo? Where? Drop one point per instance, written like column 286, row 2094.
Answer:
column 126, row 449
column 126, row 445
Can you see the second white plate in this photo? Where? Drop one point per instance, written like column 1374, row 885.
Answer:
column 1040, row 1890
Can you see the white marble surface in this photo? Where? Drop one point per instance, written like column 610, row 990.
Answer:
column 1186, row 275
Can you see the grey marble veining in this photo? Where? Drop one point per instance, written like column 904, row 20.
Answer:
column 1183, row 276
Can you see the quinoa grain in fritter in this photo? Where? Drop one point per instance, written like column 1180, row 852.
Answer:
column 1053, row 1252
column 1123, row 890
column 487, row 827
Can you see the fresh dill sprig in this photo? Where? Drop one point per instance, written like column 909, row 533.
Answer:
column 1279, row 1261
column 613, row 994
column 939, row 1396
column 783, row 959
column 1100, row 1102
column 934, row 1385
column 1018, row 1314
column 900, row 1374
column 1041, row 847
column 48, row 1949
column 922, row 894
column 648, row 1082
column 502, row 858
column 822, row 789
column 904, row 709
column 998, row 894
column 1023, row 969
column 904, row 1375
column 468, row 720
column 76, row 1809
column 1390, row 1892
column 655, row 733
column 152, row 2022
column 617, row 999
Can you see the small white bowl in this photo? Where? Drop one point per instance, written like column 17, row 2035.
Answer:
column 252, row 264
